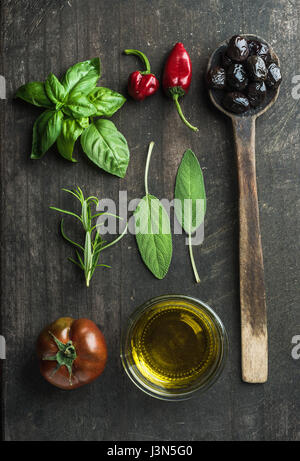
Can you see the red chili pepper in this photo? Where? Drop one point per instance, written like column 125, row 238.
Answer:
column 141, row 84
column 177, row 77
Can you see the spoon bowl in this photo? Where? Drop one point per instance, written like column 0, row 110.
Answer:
column 216, row 95
column 254, row 336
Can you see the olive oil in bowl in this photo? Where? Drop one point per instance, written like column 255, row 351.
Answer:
column 173, row 345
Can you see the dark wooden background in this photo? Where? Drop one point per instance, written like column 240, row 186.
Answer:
column 38, row 284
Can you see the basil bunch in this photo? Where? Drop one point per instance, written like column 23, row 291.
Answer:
column 71, row 105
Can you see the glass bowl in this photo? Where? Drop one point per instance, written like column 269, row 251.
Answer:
column 173, row 346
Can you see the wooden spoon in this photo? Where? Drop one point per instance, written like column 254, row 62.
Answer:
column 254, row 335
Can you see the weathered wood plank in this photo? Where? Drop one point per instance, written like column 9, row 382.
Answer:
column 38, row 284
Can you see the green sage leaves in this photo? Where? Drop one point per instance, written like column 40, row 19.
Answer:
column 190, row 198
column 72, row 104
column 152, row 229
column 153, row 235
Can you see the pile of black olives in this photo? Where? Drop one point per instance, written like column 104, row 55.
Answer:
column 245, row 72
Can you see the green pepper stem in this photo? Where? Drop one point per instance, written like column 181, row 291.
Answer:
column 143, row 58
column 192, row 260
column 175, row 98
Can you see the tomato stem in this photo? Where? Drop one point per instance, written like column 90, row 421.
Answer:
column 65, row 355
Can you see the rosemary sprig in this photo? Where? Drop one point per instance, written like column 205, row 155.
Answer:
column 87, row 255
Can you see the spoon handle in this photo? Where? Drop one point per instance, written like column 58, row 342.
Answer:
column 254, row 337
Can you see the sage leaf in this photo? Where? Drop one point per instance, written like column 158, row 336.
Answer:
column 55, row 90
column 190, row 207
column 34, row 93
column 70, row 132
column 153, row 235
column 82, row 77
column 190, row 198
column 106, row 101
column 152, row 230
column 46, row 130
column 106, row 147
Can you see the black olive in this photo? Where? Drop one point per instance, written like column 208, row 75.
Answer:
column 264, row 51
column 237, row 76
column 274, row 76
column 253, row 46
column 236, row 102
column 216, row 78
column 226, row 61
column 259, row 48
column 256, row 93
column 238, row 48
column 256, row 68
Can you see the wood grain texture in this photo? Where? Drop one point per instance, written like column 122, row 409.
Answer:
column 38, row 284
column 254, row 335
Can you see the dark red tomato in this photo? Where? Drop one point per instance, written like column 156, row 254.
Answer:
column 72, row 352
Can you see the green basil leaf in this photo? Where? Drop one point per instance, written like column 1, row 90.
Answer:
column 106, row 101
column 46, row 130
column 79, row 106
column 70, row 131
column 82, row 77
column 83, row 122
column 55, row 90
column 153, row 235
column 106, row 147
column 34, row 93
column 189, row 191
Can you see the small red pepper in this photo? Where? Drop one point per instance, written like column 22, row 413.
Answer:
column 141, row 84
column 177, row 77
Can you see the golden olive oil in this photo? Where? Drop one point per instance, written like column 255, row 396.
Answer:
column 173, row 344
